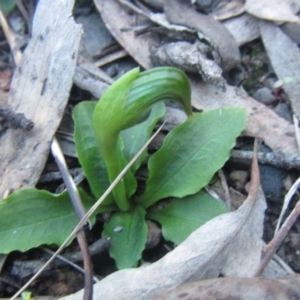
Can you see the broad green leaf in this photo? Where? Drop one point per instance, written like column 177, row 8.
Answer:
column 192, row 153
column 128, row 234
column 183, row 216
column 7, row 6
column 88, row 151
column 31, row 217
column 135, row 137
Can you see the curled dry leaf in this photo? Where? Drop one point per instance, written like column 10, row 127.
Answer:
column 181, row 12
column 262, row 121
column 284, row 55
column 40, row 89
column 238, row 288
column 275, row 10
column 230, row 244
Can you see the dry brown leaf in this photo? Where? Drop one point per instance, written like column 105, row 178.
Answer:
column 4, row 100
column 229, row 244
column 90, row 78
column 181, row 12
column 244, row 28
column 5, row 78
column 292, row 30
column 275, row 10
column 228, row 9
column 40, row 89
column 276, row 132
column 284, row 55
column 286, row 288
column 264, row 123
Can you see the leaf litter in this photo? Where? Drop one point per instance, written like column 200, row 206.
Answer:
column 262, row 121
column 208, row 252
column 192, row 261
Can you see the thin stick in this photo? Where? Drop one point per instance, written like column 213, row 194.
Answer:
column 110, row 58
column 67, row 178
column 297, row 133
column 87, row 265
column 286, row 202
column 271, row 248
column 80, row 211
column 24, row 13
column 288, row 161
column 68, row 262
column 89, row 213
column 226, row 190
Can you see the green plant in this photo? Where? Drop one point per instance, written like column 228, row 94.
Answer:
column 7, row 6
column 107, row 135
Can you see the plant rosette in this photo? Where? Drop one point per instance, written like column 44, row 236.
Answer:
column 107, row 135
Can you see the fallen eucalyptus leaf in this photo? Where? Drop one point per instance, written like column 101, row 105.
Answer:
column 228, row 9
column 181, row 12
column 275, row 10
column 262, row 121
column 292, row 31
column 285, row 288
column 284, row 55
column 244, row 28
column 229, row 244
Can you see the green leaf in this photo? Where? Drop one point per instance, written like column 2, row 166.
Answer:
column 88, row 151
column 7, row 6
column 135, row 137
column 183, row 216
column 128, row 234
column 192, row 153
column 31, row 217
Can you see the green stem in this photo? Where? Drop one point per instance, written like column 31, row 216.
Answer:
column 114, row 166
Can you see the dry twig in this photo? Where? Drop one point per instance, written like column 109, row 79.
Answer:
column 80, row 211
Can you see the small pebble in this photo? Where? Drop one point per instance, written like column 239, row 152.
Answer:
column 154, row 235
column 284, row 111
column 271, row 179
column 269, row 83
column 238, row 179
column 264, row 95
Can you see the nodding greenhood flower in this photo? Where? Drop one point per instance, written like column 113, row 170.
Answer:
column 125, row 104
